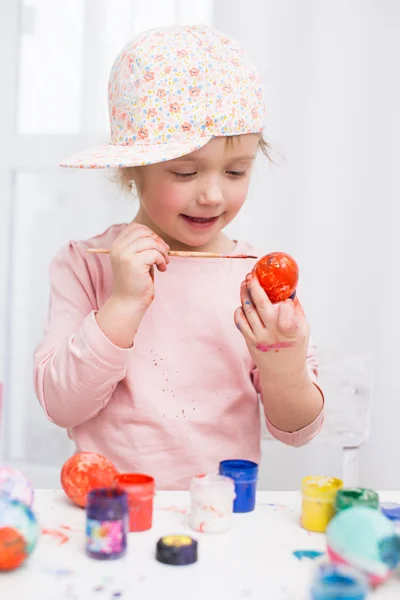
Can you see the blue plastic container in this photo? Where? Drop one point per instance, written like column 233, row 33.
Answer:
column 106, row 523
column 337, row 582
column 244, row 473
column 391, row 510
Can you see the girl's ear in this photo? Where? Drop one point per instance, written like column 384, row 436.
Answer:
column 129, row 179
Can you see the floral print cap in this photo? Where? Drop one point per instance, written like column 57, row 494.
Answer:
column 171, row 90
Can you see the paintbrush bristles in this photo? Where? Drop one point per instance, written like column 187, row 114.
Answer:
column 184, row 254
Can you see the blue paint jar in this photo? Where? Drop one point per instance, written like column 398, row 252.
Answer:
column 244, row 473
column 107, row 518
column 391, row 510
column 338, row 582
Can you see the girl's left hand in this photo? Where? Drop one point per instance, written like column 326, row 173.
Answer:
column 276, row 334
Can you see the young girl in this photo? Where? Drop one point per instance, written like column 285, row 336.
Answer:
column 144, row 365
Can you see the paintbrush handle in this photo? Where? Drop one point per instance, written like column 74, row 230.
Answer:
column 207, row 254
column 183, row 254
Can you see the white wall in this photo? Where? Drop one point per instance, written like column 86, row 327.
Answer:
column 333, row 95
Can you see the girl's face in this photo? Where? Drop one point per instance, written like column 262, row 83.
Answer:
column 189, row 200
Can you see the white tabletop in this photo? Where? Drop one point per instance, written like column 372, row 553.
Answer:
column 253, row 560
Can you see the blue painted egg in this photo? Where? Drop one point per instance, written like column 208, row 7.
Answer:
column 338, row 582
column 15, row 486
column 365, row 539
column 18, row 517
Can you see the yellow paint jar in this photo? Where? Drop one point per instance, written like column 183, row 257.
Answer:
column 318, row 501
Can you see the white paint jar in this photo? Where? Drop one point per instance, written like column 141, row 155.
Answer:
column 212, row 499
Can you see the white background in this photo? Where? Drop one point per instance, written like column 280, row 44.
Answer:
column 331, row 199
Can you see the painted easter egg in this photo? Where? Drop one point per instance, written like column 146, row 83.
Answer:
column 338, row 582
column 12, row 549
column 363, row 538
column 85, row 471
column 278, row 275
column 15, row 486
column 19, row 532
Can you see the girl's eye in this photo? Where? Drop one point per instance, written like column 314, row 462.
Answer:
column 185, row 175
column 237, row 173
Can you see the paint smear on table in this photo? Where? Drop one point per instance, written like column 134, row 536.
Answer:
column 61, row 572
column 68, row 528
column 276, row 506
column 56, row 534
column 311, row 554
column 81, row 585
column 175, row 509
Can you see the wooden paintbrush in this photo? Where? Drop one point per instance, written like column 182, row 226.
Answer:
column 184, row 254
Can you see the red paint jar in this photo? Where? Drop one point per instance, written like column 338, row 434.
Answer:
column 141, row 490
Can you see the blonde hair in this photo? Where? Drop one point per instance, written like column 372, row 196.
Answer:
column 128, row 177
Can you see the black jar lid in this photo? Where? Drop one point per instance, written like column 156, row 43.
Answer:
column 176, row 550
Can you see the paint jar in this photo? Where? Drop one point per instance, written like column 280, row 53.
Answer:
column 212, row 499
column 178, row 550
column 349, row 497
column 244, row 474
column 391, row 510
column 106, row 523
column 318, row 498
column 337, row 582
column 140, row 490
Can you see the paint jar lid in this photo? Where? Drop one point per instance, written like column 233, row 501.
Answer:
column 348, row 497
column 107, row 504
column 137, row 485
column 176, row 550
column 391, row 510
column 321, row 487
column 338, row 582
column 239, row 470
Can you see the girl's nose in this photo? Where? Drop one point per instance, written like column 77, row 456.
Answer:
column 211, row 195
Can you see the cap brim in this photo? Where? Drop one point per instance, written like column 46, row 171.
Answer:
column 113, row 156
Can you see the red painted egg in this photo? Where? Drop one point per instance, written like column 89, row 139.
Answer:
column 85, row 471
column 13, row 549
column 278, row 275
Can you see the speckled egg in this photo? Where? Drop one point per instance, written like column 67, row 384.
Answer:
column 15, row 486
column 19, row 532
column 85, row 471
column 278, row 275
column 365, row 539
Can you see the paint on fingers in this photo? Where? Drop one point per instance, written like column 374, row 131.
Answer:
column 262, row 347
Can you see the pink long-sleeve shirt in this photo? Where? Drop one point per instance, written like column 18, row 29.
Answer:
column 184, row 397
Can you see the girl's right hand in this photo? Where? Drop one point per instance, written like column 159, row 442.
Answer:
column 133, row 255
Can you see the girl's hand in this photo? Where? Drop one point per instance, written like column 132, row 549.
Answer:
column 276, row 334
column 133, row 255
